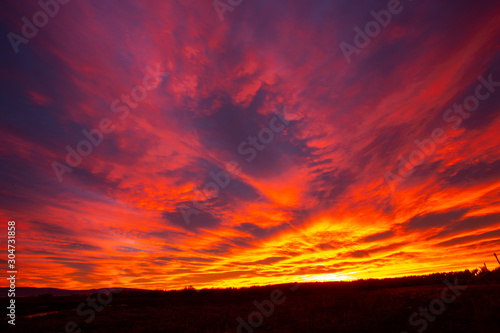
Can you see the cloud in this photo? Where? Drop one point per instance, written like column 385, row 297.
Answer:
column 313, row 201
column 50, row 228
column 259, row 232
column 472, row 173
column 469, row 239
column 470, row 223
column 435, row 219
column 197, row 221
column 379, row 236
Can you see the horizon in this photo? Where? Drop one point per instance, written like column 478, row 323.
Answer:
column 171, row 144
column 261, row 285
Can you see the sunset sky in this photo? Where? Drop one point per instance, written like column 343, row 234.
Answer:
column 331, row 194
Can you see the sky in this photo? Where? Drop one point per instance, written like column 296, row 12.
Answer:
column 162, row 144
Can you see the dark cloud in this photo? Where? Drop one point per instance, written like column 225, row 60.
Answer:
column 469, row 224
column 370, row 251
column 329, row 185
column 379, row 236
column 196, row 222
column 128, row 249
column 259, row 232
column 77, row 264
column 470, row 238
column 359, row 254
column 435, row 219
column 386, row 143
column 488, row 110
column 228, row 126
column 217, row 249
column 170, row 248
column 467, row 173
column 232, row 191
column 50, row 228
column 76, row 246
column 187, row 259
column 267, row 261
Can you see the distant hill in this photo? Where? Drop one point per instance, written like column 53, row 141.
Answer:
column 31, row 291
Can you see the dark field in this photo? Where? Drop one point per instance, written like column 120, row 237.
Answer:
column 360, row 306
